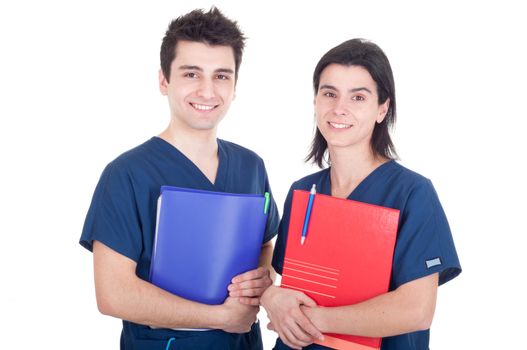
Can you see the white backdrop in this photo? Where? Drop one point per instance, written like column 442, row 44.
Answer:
column 78, row 86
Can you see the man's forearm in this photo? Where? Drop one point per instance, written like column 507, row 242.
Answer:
column 120, row 293
column 143, row 303
column 266, row 256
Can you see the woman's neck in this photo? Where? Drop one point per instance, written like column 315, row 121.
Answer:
column 349, row 169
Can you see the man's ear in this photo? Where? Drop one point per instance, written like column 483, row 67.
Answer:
column 383, row 109
column 163, row 83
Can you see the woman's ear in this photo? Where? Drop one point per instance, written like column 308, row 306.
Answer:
column 383, row 109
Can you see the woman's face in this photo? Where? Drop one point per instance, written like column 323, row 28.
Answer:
column 346, row 107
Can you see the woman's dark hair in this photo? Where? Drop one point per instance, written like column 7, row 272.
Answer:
column 211, row 28
column 363, row 53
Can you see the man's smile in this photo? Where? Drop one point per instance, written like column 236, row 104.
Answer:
column 201, row 107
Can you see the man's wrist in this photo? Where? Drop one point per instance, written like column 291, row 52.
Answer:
column 216, row 316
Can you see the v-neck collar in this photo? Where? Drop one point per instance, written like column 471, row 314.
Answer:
column 221, row 173
column 363, row 186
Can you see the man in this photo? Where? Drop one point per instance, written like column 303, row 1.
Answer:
column 200, row 57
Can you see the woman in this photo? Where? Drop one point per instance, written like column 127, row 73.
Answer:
column 355, row 108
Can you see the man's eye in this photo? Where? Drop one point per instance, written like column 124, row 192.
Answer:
column 329, row 94
column 358, row 98
column 222, row 77
column 191, row 75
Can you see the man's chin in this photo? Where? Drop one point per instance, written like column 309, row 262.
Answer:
column 204, row 126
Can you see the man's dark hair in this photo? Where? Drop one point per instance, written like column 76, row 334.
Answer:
column 211, row 28
column 363, row 53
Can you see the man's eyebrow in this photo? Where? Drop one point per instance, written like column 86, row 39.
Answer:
column 224, row 70
column 198, row 68
column 189, row 67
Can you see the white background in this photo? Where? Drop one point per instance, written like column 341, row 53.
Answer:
column 78, row 86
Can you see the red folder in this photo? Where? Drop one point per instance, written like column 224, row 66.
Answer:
column 346, row 257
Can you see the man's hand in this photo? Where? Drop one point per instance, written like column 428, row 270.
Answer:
column 248, row 287
column 287, row 319
column 238, row 317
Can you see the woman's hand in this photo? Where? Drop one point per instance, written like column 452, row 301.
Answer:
column 283, row 309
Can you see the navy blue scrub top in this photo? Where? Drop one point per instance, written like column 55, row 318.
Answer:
column 424, row 242
column 122, row 216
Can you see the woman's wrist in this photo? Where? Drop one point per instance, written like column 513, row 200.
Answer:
column 317, row 316
column 266, row 295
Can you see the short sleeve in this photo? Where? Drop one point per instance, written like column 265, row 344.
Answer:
column 113, row 217
column 273, row 219
column 281, row 240
column 424, row 242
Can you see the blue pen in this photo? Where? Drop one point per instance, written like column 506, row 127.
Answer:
column 308, row 213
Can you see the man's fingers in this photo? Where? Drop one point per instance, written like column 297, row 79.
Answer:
column 250, row 275
column 249, row 301
column 257, row 292
column 250, row 284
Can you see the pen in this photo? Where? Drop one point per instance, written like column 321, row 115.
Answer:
column 308, row 213
column 266, row 204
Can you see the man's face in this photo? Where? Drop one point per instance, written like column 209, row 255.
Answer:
column 346, row 106
column 201, row 87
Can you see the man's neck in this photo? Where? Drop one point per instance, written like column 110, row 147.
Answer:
column 200, row 146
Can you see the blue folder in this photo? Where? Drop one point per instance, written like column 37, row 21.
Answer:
column 203, row 239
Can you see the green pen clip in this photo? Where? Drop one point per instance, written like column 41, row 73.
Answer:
column 266, row 204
